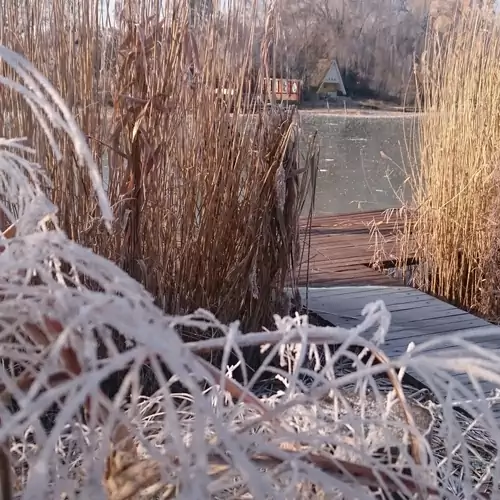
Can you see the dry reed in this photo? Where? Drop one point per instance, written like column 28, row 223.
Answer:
column 337, row 430
column 206, row 201
column 450, row 225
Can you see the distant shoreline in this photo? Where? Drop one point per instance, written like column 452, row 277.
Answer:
column 358, row 113
column 352, row 109
column 359, row 108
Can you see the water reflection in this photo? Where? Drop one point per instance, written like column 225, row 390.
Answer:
column 362, row 161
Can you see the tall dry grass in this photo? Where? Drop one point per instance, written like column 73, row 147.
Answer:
column 453, row 230
column 340, row 429
column 206, row 201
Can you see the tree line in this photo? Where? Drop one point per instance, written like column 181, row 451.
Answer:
column 376, row 42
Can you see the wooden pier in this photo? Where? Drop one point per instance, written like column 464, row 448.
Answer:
column 341, row 282
column 342, row 249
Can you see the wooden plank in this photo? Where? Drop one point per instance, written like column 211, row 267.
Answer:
column 400, row 339
column 401, row 335
column 363, row 256
column 433, row 306
column 334, row 243
column 464, row 321
column 354, row 231
column 378, row 215
column 336, row 262
column 333, row 264
column 398, row 346
column 392, row 296
column 364, row 253
column 402, row 307
column 336, row 280
column 343, row 234
column 343, row 276
column 333, row 268
column 363, row 246
column 337, row 292
column 343, row 305
column 327, row 282
column 344, row 280
column 398, row 302
column 350, row 225
column 416, row 317
column 335, row 223
column 352, row 268
column 353, row 291
column 359, row 257
column 414, row 312
column 350, row 215
column 398, row 311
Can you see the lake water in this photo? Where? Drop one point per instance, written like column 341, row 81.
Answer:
column 364, row 160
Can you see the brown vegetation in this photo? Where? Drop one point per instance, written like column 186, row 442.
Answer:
column 206, row 202
column 454, row 230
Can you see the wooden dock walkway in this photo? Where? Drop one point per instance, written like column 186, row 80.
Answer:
column 341, row 282
column 342, row 249
column 415, row 317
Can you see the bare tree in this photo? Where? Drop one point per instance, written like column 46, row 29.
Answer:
column 374, row 41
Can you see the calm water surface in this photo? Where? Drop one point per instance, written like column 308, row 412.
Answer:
column 364, row 160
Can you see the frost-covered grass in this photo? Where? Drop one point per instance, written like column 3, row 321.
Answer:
column 343, row 425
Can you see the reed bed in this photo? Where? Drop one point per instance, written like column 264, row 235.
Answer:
column 206, row 201
column 451, row 224
column 346, row 424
